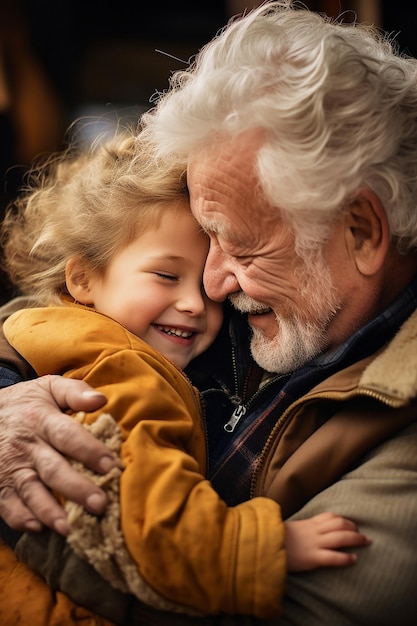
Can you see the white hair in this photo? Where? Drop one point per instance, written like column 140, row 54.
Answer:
column 336, row 102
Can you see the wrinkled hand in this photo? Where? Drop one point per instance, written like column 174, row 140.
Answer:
column 34, row 434
column 317, row 542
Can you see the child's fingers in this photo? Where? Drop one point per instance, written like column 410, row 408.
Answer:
column 343, row 539
column 330, row 522
column 333, row 558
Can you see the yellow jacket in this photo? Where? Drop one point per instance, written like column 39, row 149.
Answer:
column 188, row 545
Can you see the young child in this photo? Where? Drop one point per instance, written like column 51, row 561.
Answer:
column 105, row 244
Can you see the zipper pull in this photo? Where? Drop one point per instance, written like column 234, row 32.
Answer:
column 234, row 420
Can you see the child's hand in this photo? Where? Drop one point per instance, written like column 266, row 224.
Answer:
column 316, row 542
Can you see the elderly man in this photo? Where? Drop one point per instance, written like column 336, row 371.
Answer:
column 301, row 142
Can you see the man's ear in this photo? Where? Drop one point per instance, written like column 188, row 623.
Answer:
column 367, row 232
column 78, row 276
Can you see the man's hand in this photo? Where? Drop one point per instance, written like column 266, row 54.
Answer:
column 34, row 434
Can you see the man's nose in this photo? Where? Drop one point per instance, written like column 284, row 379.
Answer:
column 219, row 278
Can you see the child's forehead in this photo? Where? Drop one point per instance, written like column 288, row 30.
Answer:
column 156, row 215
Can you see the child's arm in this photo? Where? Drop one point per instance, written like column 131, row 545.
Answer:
column 187, row 545
column 317, row 542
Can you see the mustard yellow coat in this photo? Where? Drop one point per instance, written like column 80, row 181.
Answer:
column 188, row 545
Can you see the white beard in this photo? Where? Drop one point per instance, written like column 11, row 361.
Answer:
column 297, row 341
column 292, row 347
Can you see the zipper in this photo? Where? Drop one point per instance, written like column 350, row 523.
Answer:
column 387, row 400
column 239, row 412
column 241, row 409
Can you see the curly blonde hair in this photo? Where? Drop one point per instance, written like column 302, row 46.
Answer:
column 86, row 202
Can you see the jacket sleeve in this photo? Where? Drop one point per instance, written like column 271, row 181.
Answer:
column 188, row 545
column 380, row 494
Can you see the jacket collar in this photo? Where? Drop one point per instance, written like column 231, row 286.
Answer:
column 394, row 370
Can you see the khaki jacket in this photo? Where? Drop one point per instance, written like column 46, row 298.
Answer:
column 350, row 446
column 329, row 430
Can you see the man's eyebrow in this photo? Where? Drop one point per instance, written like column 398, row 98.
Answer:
column 220, row 229
column 212, row 227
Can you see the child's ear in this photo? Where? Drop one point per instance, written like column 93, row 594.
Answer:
column 78, row 276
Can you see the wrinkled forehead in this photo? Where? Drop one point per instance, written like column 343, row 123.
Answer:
column 224, row 163
column 222, row 177
column 226, row 198
column 226, row 147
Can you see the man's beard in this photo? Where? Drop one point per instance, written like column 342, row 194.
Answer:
column 297, row 341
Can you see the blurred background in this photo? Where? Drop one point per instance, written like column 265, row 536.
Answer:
column 63, row 60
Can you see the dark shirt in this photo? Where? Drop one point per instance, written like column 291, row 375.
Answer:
column 8, row 377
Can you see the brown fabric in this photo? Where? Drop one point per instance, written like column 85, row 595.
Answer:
column 8, row 356
column 31, row 603
column 50, row 555
column 332, row 449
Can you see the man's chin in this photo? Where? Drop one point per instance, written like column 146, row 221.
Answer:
column 290, row 348
column 265, row 323
column 264, row 351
